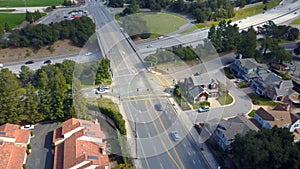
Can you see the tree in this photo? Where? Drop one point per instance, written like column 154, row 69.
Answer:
column 7, row 27
column 297, row 49
column 247, row 45
column 43, row 84
column 1, row 32
column 31, row 105
column 116, row 3
column 25, row 75
column 10, row 103
column 58, row 95
column 266, row 148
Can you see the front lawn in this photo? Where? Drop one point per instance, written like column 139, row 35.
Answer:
column 242, row 84
column 225, row 99
column 251, row 114
column 200, row 104
column 259, row 100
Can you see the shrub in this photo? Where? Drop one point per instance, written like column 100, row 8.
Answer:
column 25, row 166
column 27, row 151
column 28, row 146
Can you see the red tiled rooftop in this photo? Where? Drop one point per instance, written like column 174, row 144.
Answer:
column 10, row 130
column 69, row 125
column 23, row 136
column 11, row 156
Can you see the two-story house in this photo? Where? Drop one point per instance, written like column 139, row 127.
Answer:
column 199, row 87
column 246, row 68
column 79, row 144
column 280, row 117
column 224, row 132
column 272, row 86
column 13, row 146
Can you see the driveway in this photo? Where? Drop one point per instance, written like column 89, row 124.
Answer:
column 41, row 156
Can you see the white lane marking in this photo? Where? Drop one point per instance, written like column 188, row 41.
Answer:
column 189, row 153
column 184, row 145
column 161, row 165
column 194, row 162
column 149, row 135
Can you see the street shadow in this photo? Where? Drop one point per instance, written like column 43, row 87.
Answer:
column 49, row 155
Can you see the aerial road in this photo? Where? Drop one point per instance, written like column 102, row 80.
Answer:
column 139, row 93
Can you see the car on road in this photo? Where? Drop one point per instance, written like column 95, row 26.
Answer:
column 203, row 109
column 161, row 37
column 47, row 61
column 100, row 91
column 29, row 62
column 175, row 135
column 149, row 46
column 1, row 65
column 158, row 107
column 103, row 87
column 88, row 53
column 27, row 127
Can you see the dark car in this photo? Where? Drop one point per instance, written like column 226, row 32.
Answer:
column 29, row 62
column 158, row 107
column 47, row 62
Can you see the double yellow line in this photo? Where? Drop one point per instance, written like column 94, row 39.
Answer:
column 163, row 143
column 163, row 80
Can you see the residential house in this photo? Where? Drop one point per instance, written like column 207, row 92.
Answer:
column 79, row 144
column 200, row 87
column 224, row 131
column 246, row 69
column 13, row 145
column 280, row 117
column 272, row 86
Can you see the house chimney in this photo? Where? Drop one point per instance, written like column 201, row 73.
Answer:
column 280, row 84
column 102, row 150
column 288, row 107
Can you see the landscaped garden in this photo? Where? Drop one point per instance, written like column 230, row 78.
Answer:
column 225, row 99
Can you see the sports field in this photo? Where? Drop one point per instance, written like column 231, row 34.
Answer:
column 163, row 23
column 12, row 19
column 22, row 3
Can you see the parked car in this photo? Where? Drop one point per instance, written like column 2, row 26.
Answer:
column 103, row 87
column 1, row 65
column 100, row 91
column 203, row 109
column 47, row 62
column 175, row 135
column 149, row 46
column 29, row 62
column 161, row 37
column 27, row 127
column 88, row 53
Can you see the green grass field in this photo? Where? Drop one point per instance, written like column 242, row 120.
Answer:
column 21, row 3
column 296, row 22
column 163, row 23
column 243, row 13
column 12, row 19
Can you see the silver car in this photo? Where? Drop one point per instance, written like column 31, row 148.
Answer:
column 175, row 135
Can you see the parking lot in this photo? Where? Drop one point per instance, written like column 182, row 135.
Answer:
column 41, row 156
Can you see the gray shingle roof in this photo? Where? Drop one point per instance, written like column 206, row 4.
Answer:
column 202, row 79
column 270, row 78
column 195, row 91
column 249, row 63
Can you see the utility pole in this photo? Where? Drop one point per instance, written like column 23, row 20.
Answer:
column 135, row 134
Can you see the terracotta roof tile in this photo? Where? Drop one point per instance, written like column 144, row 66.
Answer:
column 69, row 125
column 11, row 156
column 9, row 130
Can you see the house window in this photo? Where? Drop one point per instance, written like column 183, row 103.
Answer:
column 203, row 98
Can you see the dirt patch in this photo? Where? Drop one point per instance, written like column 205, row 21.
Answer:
column 63, row 47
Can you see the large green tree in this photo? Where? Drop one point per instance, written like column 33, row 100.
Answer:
column 247, row 45
column 265, row 149
column 10, row 102
column 25, row 75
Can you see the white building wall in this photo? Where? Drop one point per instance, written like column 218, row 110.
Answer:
column 93, row 139
column 7, row 139
column 69, row 134
column 80, row 165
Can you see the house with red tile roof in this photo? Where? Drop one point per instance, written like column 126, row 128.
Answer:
column 13, row 145
column 79, row 144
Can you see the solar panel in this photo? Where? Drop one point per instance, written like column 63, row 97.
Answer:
column 2, row 133
column 1, row 143
column 86, row 124
column 93, row 157
column 90, row 133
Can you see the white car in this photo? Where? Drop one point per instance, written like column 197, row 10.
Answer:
column 27, row 127
column 161, row 37
column 149, row 46
column 100, row 91
column 88, row 53
column 175, row 135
